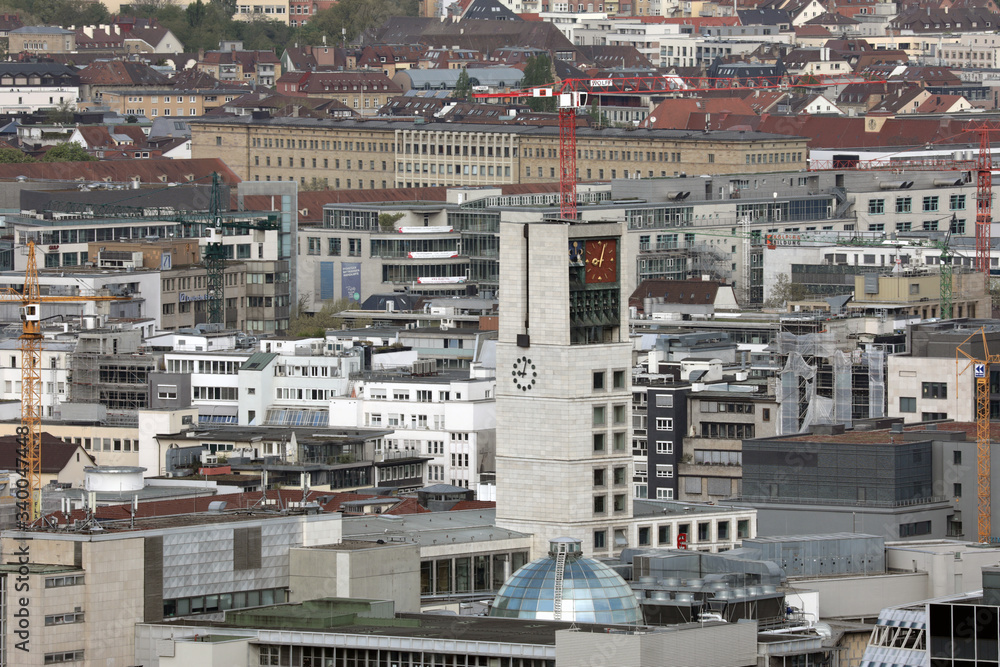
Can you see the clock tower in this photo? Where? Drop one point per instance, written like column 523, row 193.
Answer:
column 564, row 458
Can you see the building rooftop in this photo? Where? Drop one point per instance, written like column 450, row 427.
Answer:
column 430, row 528
column 466, row 628
column 521, row 130
column 673, row 508
column 886, row 435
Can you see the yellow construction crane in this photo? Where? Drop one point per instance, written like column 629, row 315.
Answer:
column 29, row 434
column 981, row 371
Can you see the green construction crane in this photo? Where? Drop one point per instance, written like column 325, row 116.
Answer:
column 947, row 271
column 214, row 251
column 210, row 229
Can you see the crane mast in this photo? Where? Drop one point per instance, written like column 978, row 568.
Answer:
column 30, row 432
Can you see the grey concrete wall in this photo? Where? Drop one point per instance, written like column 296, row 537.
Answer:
column 381, row 572
column 710, row 645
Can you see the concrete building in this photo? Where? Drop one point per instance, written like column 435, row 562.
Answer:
column 387, row 154
column 331, row 629
column 901, row 482
column 924, row 382
column 42, row 39
column 563, row 364
column 449, row 418
column 155, row 103
column 163, row 569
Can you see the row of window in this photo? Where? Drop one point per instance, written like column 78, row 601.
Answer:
column 620, row 503
column 215, row 393
column 619, row 414
column 109, row 444
column 315, row 656
column 773, row 158
column 63, row 619
column 930, row 204
column 213, row 604
column 665, row 535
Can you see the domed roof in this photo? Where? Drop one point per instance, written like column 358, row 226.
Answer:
column 591, row 592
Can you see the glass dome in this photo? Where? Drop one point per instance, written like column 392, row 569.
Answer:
column 591, row 591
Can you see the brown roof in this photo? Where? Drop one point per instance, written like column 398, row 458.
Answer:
column 119, row 171
column 120, row 73
column 884, row 435
column 478, row 35
column 114, row 35
column 100, row 136
column 812, row 31
column 247, row 59
column 55, row 454
column 903, row 98
column 474, row 505
column 939, row 103
column 196, row 79
column 320, row 82
column 689, row 292
column 674, row 113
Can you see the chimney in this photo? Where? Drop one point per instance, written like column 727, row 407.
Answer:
column 88, row 30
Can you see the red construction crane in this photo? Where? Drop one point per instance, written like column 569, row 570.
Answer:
column 984, row 195
column 571, row 95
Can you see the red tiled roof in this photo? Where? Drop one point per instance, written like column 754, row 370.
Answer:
column 691, row 292
column 939, row 103
column 812, row 31
column 474, row 505
column 884, row 435
column 697, row 21
column 408, row 506
column 847, row 132
column 674, row 113
column 119, row 171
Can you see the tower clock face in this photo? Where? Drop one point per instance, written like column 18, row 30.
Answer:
column 523, row 374
column 601, row 257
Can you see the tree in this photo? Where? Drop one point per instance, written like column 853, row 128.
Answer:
column 463, row 87
column 538, row 71
column 68, row 152
column 61, row 115
column 314, row 325
column 263, row 35
column 195, row 13
column 784, row 290
column 387, row 221
column 597, row 117
column 13, row 156
column 354, row 17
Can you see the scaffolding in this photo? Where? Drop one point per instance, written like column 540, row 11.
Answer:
column 821, row 384
column 108, row 368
